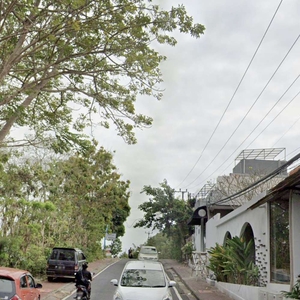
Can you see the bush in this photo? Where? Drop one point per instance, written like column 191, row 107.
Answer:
column 187, row 250
column 35, row 261
column 234, row 262
column 294, row 293
column 10, row 253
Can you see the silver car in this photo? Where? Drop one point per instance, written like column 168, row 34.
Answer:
column 148, row 253
column 145, row 280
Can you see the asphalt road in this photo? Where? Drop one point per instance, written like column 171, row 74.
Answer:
column 102, row 289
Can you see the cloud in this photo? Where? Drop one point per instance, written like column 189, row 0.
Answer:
column 200, row 79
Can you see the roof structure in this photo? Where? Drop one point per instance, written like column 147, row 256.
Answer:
column 292, row 182
column 205, row 190
column 265, row 153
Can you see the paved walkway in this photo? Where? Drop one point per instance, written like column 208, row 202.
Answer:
column 197, row 286
column 190, row 286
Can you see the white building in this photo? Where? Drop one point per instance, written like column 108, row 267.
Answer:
column 271, row 219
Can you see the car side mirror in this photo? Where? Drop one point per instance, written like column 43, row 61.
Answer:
column 172, row 283
column 38, row 286
column 114, row 282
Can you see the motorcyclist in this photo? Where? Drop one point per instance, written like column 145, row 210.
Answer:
column 84, row 277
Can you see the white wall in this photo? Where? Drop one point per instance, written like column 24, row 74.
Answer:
column 197, row 236
column 216, row 229
column 239, row 292
column 295, row 214
column 258, row 218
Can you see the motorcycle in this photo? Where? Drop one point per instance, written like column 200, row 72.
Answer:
column 82, row 293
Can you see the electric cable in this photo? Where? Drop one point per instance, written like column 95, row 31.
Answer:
column 251, row 109
column 294, row 151
column 254, row 127
column 291, row 164
column 265, row 178
column 286, row 132
column 240, row 82
column 275, row 116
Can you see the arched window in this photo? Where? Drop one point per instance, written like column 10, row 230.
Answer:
column 226, row 237
column 247, row 235
column 279, row 241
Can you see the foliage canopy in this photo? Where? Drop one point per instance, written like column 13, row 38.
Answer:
column 166, row 213
column 67, row 65
column 59, row 202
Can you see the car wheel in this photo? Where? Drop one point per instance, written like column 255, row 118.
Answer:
column 50, row 279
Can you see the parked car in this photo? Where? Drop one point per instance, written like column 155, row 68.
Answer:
column 64, row 263
column 145, row 280
column 16, row 284
column 148, row 253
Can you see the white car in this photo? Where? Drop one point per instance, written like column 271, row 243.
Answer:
column 144, row 280
column 148, row 253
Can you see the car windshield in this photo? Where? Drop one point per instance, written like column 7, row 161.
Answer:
column 7, row 287
column 143, row 278
column 148, row 250
column 63, row 254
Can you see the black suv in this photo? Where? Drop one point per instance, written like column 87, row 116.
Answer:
column 64, row 262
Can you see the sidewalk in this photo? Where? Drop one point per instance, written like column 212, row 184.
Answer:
column 189, row 286
column 197, row 286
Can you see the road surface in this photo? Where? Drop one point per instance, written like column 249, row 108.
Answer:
column 102, row 289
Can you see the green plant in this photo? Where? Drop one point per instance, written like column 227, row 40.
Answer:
column 187, row 250
column 116, row 247
column 294, row 293
column 217, row 259
column 234, row 262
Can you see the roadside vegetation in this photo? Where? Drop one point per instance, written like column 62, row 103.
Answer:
column 234, row 262
column 58, row 201
column 169, row 215
column 68, row 68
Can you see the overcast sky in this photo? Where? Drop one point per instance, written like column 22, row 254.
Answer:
column 210, row 112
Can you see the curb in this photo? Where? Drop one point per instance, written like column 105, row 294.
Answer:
column 184, row 283
column 61, row 293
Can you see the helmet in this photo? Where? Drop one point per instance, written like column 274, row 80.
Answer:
column 84, row 266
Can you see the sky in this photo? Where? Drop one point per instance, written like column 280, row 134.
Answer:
column 233, row 89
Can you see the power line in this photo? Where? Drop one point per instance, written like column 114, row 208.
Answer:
column 294, row 151
column 286, row 132
column 240, row 82
column 265, row 178
column 275, row 117
column 254, row 129
column 251, row 109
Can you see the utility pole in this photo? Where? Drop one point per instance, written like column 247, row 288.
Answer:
column 182, row 193
column 149, row 232
column 104, row 242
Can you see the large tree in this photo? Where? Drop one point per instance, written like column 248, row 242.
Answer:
column 63, row 201
column 89, row 194
column 66, row 65
column 166, row 213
